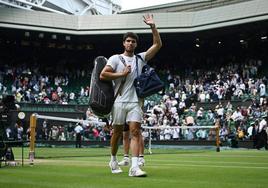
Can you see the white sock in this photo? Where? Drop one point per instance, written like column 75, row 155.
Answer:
column 113, row 158
column 134, row 161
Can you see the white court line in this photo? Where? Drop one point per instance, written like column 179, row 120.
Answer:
column 152, row 165
column 182, row 155
column 213, row 162
column 210, row 166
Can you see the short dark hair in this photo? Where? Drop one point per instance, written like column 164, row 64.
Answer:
column 131, row 35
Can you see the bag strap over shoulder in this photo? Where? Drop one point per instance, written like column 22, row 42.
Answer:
column 122, row 60
column 123, row 81
column 137, row 64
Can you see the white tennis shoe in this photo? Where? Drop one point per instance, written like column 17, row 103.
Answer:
column 115, row 169
column 141, row 161
column 124, row 162
column 136, row 172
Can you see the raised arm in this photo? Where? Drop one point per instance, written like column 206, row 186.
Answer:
column 157, row 43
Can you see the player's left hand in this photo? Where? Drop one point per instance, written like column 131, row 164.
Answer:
column 149, row 20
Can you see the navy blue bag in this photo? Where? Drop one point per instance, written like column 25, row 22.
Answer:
column 148, row 82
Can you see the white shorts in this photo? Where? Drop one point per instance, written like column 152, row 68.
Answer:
column 126, row 112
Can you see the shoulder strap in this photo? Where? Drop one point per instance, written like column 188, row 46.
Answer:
column 122, row 60
column 123, row 81
column 139, row 56
column 137, row 66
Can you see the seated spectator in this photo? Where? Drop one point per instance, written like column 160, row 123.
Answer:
column 223, row 133
column 210, row 116
column 200, row 113
column 167, row 133
column 176, row 133
column 240, row 133
column 202, row 97
column 237, row 117
column 229, row 106
column 262, row 89
column 189, row 121
column 219, row 110
column 54, row 133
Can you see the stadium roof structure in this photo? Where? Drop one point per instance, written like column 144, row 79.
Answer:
column 71, row 7
column 175, row 22
column 183, row 6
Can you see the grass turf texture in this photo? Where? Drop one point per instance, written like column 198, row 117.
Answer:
column 88, row 167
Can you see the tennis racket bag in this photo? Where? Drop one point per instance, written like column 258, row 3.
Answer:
column 101, row 95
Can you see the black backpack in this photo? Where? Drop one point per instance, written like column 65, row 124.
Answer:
column 101, row 96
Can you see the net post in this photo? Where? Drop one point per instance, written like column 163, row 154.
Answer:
column 33, row 119
column 150, row 142
column 217, row 138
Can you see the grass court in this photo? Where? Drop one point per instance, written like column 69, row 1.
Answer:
column 88, row 168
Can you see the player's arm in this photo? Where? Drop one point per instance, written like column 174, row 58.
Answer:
column 108, row 73
column 157, row 43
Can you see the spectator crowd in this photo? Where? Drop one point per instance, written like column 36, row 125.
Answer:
column 180, row 104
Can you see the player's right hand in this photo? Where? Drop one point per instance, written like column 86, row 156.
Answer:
column 127, row 70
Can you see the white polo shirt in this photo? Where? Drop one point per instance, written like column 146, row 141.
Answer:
column 128, row 93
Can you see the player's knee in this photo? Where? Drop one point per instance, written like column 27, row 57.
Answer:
column 135, row 132
column 117, row 133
